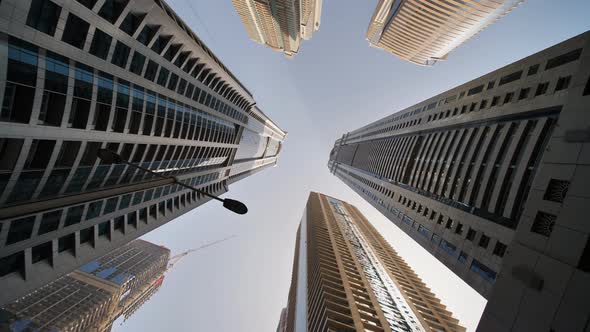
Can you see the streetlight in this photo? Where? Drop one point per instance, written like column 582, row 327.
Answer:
column 111, row 157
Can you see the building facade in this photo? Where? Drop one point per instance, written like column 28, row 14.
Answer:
column 280, row 24
column 129, row 76
column 346, row 277
column 426, row 31
column 93, row 297
column 488, row 172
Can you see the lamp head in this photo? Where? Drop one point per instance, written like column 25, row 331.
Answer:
column 235, row 206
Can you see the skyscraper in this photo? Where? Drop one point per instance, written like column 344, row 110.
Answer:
column 93, row 297
column 280, row 24
column 500, row 162
column 346, row 277
column 425, row 31
column 131, row 77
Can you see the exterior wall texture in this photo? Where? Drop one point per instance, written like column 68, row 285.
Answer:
column 425, row 31
column 128, row 76
column 280, row 24
column 354, row 280
column 466, row 171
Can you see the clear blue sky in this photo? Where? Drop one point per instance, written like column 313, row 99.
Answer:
column 335, row 84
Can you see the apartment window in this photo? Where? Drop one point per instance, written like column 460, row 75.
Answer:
column 491, row 85
column 563, row 59
column 88, row 3
column 542, row 88
column 524, row 93
column 459, row 229
column 66, row 243
column 439, row 221
column 101, row 44
column 137, row 63
column 508, row 97
column 495, row 101
column 533, row 70
column 449, row 223
column 470, row 234
column 12, row 263
column 161, row 43
column 131, row 23
column 20, row 230
column 112, row 9
column 499, row 249
column 43, row 16
column 563, row 83
column 483, row 104
column 120, row 55
column 475, row 90
column 510, row 78
column 543, row 223
column 484, row 240
column 75, row 31
column 147, row 34
column 42, row 252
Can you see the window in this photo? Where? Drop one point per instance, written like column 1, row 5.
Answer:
column 84, row 82
column 43, row 16
column 484, row 240
column 470, row 234
column 42, row 252
column 462, row 257
column 484, row 271
column 459, row 229
column 88, row 3
column 151, row 70
column 542, row 88
column 147, row 34
column 161, row 43
column 104, row 229
column 120, row 55
column 125, row 200
column 510, row 78
column 475, row 90
column 499, row 249
column 12, row 263
column 20, row 230
column 119, row 223
column 171, row 52
column 131, row 23
column 66, row 243
column 9, row 151
column 112, row 9
column 93, row 210
column 563, row 59
column 483, row 104
column 543, row 223
column 495, row 101
column 87, row 235
column 101, row 44
column 39, row 154
column 49, row 222
column 74, row 215
column 491, row 85
column 508, row 97
column 449, row 223
column 172, row 82
column 533, row 70
column 137, row 63
column 75, row 31
column 163, row 76
column 524, row 93
column 448, row 247
column 563, row 83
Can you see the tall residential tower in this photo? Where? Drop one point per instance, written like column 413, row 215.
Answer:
column 129, row 76
column 491, row 177
column 425, row 31
column 280, row 24
column 346, row 277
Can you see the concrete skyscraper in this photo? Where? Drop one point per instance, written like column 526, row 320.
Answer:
column 129, row 76
column 280, row 24
column 425, row 31
column 346, row 277
column 491, row 177
column 93, row 297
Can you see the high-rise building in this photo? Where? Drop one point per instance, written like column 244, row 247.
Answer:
column 425, row 31
column 500, row 162
column 93, row 297
column 280, row 24
column 346, row 277
column 129, row 76
column 282, row 327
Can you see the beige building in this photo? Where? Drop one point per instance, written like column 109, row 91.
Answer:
column 346, row 277
column 280, row 24
column 425, row 31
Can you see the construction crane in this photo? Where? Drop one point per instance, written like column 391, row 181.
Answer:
column 176, row 258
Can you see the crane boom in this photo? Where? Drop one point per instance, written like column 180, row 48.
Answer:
column 176, row 258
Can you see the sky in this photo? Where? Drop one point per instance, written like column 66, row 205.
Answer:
column 335, row 84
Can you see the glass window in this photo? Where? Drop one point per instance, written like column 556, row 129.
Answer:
column 22, row 62
column 462, row 257
column 151, row 70
column 137, row 63
column 56, row 180
column 112, row 9
column 84, row 81
column 74, row 215
column 49, row 222
column 93, row 210
column 89, row 156
column 484, row 271
column 75, row 31
column 79, row 113
column 123, row 94
column 120, row 55
column 131, row 22
column 172, row 82
column 52, row 109
column 101, row 44
column 43, row 16
column 67, row 154
column 88, row 3
column 171, row 52
column 105, row 88
column 147, row 33
column 163, row 76
column 9, row 151
column 125, row 200
column 39, row 154
column 66, row 243
column 111, row 205
column 161, row 43
column 104, row 228
column 20, row 230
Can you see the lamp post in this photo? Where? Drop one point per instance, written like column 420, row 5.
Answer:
column 111, row 157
